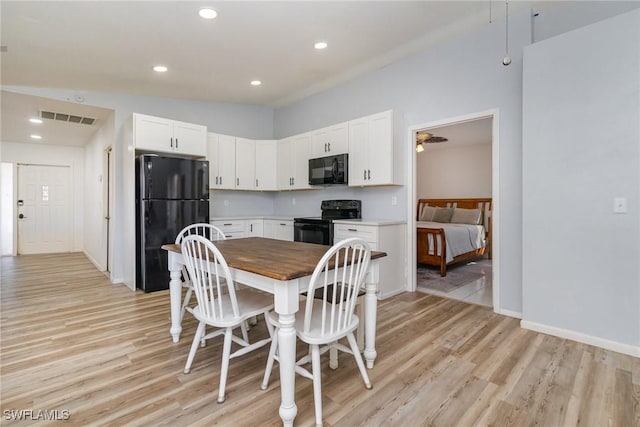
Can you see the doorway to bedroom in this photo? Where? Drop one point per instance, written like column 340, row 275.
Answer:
column 453, row 173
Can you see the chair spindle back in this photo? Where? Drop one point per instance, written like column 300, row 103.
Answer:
column 210, row 276
column 340, row 274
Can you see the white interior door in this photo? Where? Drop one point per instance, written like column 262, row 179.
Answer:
column 44, row 209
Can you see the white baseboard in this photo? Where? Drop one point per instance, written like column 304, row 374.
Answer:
column 631, row 350
column 391, row 294
column 94, row 262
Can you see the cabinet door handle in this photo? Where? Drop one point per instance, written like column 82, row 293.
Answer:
column 237, row 181
column 369, row 174
column 365, row 174
column 171, row 139
column 352, row 229
column 220, row 180
column 256, row 182
column 228, row 224
column 329, row 146
column 251, row 227
column 283, row 224
column 216, row 180
column 325, row 147
column 176, row 142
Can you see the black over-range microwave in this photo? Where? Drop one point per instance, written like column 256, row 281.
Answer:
column 329, row 170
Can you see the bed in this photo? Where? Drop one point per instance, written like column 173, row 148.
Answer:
column 452, row 230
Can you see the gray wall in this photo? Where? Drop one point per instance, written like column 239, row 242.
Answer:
column 462, row 77
column 581, row 149
column 458, row 78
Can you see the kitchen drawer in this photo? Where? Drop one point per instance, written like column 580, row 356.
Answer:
column 367, row 233
column 232, row 229
column 278, row 229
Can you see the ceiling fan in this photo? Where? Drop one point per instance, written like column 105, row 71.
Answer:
column 426, row 137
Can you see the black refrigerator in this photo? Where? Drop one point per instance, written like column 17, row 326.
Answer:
column 171, row 193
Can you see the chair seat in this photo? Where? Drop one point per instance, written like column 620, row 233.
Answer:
column 315, row 336
column 250, row 304
column 319, row 293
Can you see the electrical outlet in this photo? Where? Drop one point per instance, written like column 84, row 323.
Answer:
column 620, row 205
column 394, row 200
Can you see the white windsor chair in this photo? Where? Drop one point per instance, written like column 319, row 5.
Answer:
column 329, row 313
column 219, row 303
column 209, row 231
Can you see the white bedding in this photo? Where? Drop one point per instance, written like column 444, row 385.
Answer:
column 460, row 238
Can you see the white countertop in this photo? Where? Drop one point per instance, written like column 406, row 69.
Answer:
column 367, row 221
column 245, row 218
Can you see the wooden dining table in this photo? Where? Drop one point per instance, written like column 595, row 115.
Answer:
column 283, row 269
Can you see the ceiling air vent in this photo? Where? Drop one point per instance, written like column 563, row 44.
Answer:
column 69, row 118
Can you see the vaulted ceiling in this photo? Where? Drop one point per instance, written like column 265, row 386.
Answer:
column 112, row 46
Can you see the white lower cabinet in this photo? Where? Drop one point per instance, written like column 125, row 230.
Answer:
column 232, row 229
column 255, row 228
column 388, row 272
column 278, row 229
column 235, row 228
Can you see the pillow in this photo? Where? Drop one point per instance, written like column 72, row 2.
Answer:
column 426, row 213
column 466, row 216
column 442, row 215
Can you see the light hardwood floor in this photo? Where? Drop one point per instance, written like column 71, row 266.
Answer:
column 71, row 341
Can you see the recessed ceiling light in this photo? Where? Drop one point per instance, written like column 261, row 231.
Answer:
column 34, row 136
column 160, row 69
column 256, row 82
column 320, row 45
column 207, row 13
column 35, row 120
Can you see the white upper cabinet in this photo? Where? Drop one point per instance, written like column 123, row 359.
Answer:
column 221, row 153
column 169, row 136
column 371, row 150
column 293, row 155
column 331, row 140
column 266, row 164
column 285, row 162
column 301, row 156
column 245, row 164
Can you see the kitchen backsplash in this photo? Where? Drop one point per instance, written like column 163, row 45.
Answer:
column 377, row 203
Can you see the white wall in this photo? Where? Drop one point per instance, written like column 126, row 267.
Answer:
column 581, row 138
column 56, row 155
column 456, row 171
column 95, row 209
column 6, row 208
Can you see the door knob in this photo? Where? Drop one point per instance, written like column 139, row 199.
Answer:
column 21, row 216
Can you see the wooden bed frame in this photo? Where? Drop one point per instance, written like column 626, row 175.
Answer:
column 437, row 234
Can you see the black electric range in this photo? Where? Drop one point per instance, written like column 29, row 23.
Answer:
column 320, row 229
